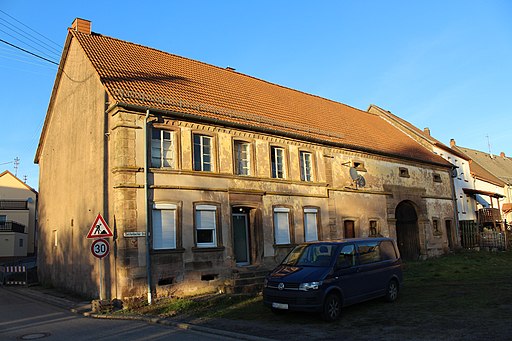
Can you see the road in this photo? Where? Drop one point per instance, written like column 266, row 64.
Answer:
column 24, row 318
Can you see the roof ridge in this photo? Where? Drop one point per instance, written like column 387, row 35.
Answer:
column 224, row 70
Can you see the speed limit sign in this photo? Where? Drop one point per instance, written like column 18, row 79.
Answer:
column 100, row 248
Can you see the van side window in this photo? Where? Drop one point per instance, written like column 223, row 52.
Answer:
column 369, row 252
column 387, row 250
column 347, row 257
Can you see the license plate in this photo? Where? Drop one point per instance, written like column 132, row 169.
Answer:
column 279, row 305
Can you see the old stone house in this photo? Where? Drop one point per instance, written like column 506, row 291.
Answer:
column 224, row 172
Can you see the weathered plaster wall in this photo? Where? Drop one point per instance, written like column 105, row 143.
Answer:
column 71, row 177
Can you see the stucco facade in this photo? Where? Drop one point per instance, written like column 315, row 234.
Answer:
column 18, row 220
column 100, row 153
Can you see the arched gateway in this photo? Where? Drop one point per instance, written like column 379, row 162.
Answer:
column 407, row 231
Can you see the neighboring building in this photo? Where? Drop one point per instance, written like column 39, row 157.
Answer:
column 461, row 177
column 492, row 184
column 225, row 171
column 18, row 203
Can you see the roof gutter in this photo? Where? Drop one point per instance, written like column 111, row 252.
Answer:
column 262, row 129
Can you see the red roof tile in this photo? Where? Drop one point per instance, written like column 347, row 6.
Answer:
column 143, row 76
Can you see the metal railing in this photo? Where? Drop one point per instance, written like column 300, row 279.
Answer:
column 11, row 226
column 472, row 237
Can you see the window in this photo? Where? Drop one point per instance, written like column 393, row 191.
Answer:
column 404, row 172
column 277, row 162
column 242, row 152
column 55, row 239
column 162, row 148
column 359, row 166
column 306, row 161
column 349, row 228
column 310, row 224
column 164, row 226
column 369, row 252
column 435, row 227
column 387, row 250
column 202, row 153
column 206, row 225
column 347, row 257
column 373, row 228
column 3, row 219
column 21, row 243
column 282, row 225
column 437, row 177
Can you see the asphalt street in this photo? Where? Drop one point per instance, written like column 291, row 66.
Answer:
column 26, row 318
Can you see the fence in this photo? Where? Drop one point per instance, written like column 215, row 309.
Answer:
column 471, row 237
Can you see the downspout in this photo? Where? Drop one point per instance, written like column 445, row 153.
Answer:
column 146, row 204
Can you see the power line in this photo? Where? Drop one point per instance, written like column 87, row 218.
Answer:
column 45, row 46
column 26, row 51
column 51, row 41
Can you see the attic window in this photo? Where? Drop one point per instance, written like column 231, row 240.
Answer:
column 359, row 166
column 437, row 177
column 404, row 172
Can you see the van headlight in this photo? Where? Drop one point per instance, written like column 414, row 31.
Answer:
column 310, row 286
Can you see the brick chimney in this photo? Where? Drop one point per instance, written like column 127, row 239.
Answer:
column 426, row 131
column 452, row 143
column 81, row 25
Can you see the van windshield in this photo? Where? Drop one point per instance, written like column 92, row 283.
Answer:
column 310, row 255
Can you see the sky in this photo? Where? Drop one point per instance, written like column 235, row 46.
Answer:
column 445, row 65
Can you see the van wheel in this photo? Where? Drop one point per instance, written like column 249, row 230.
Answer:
column 332, row 308
column 392, row 291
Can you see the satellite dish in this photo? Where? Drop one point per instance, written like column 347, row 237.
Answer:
column 353, row 173
column 360, row 181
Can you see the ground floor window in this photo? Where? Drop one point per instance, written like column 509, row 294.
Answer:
column 310, row 224
column 164, row 226
column 206, row 225
column 282, row 225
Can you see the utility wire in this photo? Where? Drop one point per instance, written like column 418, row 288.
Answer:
column 38, row 42
column 27, row 51
column 56, row 44
column 21, row 41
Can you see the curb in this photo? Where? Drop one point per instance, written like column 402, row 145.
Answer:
column 84, row 308
column 181, row 325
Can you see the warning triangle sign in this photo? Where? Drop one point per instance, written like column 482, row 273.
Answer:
column 99, row 229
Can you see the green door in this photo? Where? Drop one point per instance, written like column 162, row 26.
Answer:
column 241, row 238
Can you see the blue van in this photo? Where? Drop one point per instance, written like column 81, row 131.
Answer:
column 326, row 276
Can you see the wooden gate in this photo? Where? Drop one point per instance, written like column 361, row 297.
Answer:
column 407, row 231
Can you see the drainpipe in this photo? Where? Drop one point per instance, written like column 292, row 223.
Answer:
column 146, row 204
column 455, row 239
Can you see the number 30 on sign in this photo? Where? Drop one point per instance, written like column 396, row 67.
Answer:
column 100, row 248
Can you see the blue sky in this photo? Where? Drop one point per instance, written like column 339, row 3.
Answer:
column 446, row 65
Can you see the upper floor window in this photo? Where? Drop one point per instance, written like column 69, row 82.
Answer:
column 162, row 148
column 164, row 226
column 203, row 153
column 206, row 225
column 277, row 162
column 242, row 151
column 306, row 165
column 437, row 177
column 404, row 172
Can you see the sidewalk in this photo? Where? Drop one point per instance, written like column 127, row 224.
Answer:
column 75, row 305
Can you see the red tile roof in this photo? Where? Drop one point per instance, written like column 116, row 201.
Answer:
column 146, row 77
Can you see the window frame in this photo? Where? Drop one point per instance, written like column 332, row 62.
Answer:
column 163, row 206
column 216, row 235
column 212, row 154
column 403, row 172
column 288, row 211
column 274, row 173
column 172, row 150
column 237, row 160
column 303, row 164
